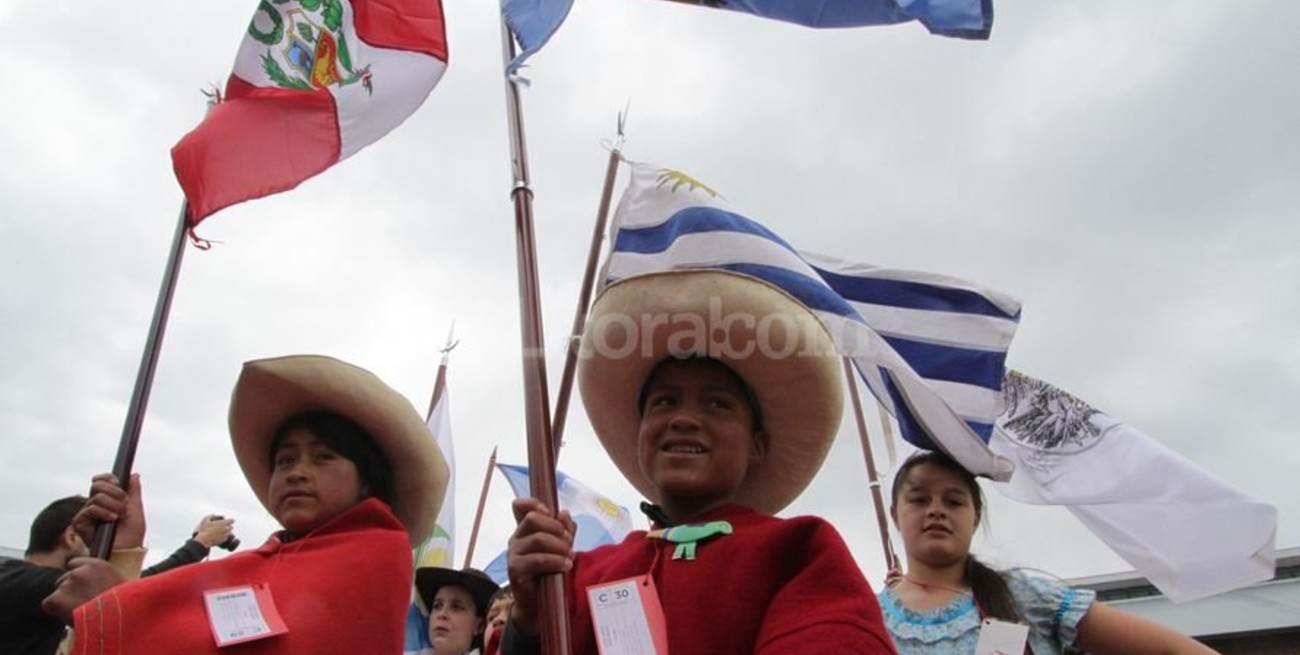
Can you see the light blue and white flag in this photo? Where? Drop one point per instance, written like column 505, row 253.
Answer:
column 935, row 361
column 968, row 19
column 600, row 520
column 534, row 21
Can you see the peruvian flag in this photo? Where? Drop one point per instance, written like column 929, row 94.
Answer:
column 314, row 82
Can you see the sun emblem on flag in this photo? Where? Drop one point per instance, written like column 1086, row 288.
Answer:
column 306, row 47
column 608, row 507
column 679, row 179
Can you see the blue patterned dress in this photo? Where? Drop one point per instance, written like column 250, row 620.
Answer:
column 1052, row 609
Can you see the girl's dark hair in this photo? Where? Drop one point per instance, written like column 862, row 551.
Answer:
column 987, row 585
column 348, row 439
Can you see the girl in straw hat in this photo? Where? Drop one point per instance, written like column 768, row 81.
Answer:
column 346, row 466
column 717, row 396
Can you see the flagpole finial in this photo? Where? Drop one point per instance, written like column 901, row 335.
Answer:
column 451, row 343
column 615, row 145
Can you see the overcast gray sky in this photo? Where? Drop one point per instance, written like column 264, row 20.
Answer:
column 1130, row 170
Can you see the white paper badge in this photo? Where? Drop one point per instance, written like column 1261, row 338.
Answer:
column 240, row 614
column 628, row 617
column 1001, row 638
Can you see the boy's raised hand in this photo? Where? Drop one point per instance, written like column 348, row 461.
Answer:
column 541, row 545
column 110, row 502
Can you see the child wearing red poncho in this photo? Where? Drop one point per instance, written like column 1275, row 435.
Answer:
column 346, row 466
column 721, row 422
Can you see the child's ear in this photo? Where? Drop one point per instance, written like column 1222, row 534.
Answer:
column 758, row 448
column 71, row 540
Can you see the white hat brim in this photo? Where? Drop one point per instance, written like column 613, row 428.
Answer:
column 768, row 338
column 271, row 390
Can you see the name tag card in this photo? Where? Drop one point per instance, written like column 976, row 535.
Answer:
column 628, row 617
column 1001, row 638
column 240, row 614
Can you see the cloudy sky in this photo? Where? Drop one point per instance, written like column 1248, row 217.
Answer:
column 1128, row 169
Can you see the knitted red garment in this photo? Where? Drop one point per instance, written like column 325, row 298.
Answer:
column 343, row 588
column 773, row 586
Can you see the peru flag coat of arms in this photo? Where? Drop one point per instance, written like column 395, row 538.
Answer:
column 315, row 81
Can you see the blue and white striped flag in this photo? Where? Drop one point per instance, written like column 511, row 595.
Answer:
column 931, row 348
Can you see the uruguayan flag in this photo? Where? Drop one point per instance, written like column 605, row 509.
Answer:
column 931, row 348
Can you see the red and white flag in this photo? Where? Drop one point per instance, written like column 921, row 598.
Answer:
column 315, row 81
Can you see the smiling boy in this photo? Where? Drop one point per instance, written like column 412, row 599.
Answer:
column 717, row 396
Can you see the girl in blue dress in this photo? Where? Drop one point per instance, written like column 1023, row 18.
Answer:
column 938, row 606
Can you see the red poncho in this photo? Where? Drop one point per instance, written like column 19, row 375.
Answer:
column 773, row 586
column 342, row 588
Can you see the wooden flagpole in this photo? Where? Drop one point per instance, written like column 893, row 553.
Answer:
column 102, row 543
column 584, row 294
column 890, row 454
column 873, row 478
column 478, row 513
column 553, row 615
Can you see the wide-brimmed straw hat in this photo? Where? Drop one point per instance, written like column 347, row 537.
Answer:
column 772, row 341
column 429, row 579
column 272, row 390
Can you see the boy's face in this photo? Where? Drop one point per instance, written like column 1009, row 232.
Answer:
column 310, row 482
column 697, row 440
column 498, row 612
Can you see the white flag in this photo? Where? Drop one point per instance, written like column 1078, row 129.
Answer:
column 439, row 548
column 1189, row 533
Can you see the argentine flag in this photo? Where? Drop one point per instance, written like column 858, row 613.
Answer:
column 600, row 520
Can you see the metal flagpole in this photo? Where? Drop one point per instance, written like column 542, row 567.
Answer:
column 478, row 513
column 873, row 478
column 440, row 382
column 584, row 295
column 553, row 614
column 102, row 543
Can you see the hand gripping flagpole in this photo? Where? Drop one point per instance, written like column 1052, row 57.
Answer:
column 873, row 478
column 102, row 544
column 553, row 614
column 584, row 295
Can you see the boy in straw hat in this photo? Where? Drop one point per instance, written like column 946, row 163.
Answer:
column 717, row 396
column 345, row 464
